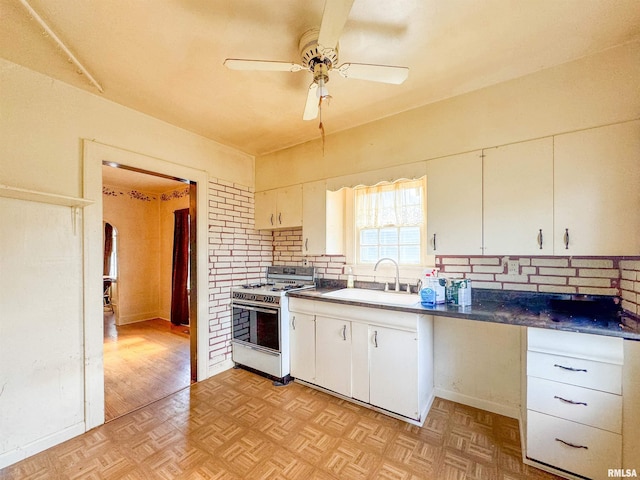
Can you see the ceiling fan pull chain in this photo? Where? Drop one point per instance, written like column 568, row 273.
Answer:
column 320, row 125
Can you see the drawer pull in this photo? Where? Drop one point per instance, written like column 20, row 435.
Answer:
column 569, row 368
column 569, row 401
column 568, row 444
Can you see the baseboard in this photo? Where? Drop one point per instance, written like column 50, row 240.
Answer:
column 220, row 367
column 129, row 319
column 506, row 410
column 20, row 453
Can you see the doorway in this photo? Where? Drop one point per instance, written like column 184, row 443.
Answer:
column 147, row 354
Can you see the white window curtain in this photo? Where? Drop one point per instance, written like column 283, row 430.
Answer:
column 399, row 203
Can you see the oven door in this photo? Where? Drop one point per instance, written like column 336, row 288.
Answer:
column 256, row 326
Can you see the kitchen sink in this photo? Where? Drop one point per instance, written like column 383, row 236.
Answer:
column 375, row 296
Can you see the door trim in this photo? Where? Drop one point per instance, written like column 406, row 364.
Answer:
column 94, row 153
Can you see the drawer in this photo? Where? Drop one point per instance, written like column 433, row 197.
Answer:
column 594, row 451
column 583, row 405
column 598, row 348
column 606, row 377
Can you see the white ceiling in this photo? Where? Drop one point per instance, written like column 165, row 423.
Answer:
column 164, row 58
column 144, row 182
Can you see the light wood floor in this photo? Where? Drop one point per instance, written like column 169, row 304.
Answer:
column 237, row 425
column 143, row 362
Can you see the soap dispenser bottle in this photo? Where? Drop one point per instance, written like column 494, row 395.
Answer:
column 350, row 277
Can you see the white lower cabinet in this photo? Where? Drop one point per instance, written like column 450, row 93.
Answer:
column 302, row 341
column 572, row 446
column 393, row 370
column 333, row 354
column 381, row 357
column 574, row 401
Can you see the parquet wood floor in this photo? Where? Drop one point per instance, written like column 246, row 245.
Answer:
column 143, row 362
column 237, row 425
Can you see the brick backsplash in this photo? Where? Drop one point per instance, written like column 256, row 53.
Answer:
column 583, row 275
column 630, row 285
column 237, row 254
column 287, row 250
column 619, row 276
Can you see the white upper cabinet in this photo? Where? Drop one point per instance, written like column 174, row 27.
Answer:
column 322, row 220
column 518, row 198
column 279, row 208
column 454, row 205
column 597, row 191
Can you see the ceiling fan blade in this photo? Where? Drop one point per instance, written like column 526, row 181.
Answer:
column 374, row 73
column 311, row 107
column 334, row 19
column 265, row 65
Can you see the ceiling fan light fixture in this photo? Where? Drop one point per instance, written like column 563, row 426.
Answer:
column 322, row 91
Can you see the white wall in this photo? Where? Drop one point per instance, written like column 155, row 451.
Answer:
column 596, row 90
column 42, row 126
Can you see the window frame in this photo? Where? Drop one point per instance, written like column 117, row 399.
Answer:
column 353, row 232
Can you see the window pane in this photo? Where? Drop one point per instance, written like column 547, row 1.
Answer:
column 390, row 251
column 369, row 254
column 410, row 254
column 388, row 236
column 410, row 235
column 369, row 236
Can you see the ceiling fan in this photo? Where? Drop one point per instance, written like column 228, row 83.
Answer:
column 319, row 55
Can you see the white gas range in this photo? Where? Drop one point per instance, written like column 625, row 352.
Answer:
column 260, row 327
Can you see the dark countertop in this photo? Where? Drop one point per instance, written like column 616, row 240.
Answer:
column 597, row 315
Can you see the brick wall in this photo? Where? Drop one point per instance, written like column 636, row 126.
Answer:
column 237, row 254
column 582, row 275
column 630, row 285
column 586, row 275
column 287, row 250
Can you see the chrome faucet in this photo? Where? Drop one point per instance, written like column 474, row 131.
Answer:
column 397, row 270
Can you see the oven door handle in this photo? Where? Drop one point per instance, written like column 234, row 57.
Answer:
column 256, row 309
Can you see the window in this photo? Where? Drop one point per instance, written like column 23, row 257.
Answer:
column 390, row 222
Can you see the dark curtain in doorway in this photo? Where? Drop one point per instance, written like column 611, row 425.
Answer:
column 179, row 294
column 108, row 248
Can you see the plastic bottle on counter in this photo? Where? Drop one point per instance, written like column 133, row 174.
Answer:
column 350, row 277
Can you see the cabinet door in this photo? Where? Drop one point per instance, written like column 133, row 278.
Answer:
column 322, row 220
column 454, row 205
column 333, row 355
column 289, row 207
column 265, row 210
column 393, row 370
column 302, row 340
column 597, row 194
column 518, row 198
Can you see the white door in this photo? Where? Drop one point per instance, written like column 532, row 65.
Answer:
column 597, row 191
column 454, row 205
column 302, row 340
column 518, row 198
column 393, row 370
column 333, row 355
